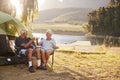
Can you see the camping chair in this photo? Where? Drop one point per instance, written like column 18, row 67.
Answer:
column 52, row 61
column 20, row 58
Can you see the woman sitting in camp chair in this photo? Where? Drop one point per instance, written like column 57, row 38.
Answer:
column 48, row 46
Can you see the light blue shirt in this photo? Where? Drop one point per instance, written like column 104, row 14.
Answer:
column 48, row 44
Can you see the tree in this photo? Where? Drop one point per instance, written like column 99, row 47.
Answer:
column 106, row 20
column 30, row 9
column 6, row 7
column 111, row 3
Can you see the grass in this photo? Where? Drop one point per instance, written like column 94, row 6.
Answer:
column 91, row 66
column 59, row 27
column 70, row 65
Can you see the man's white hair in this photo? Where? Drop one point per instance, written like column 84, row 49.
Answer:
column 23, row 31
column 49, row 31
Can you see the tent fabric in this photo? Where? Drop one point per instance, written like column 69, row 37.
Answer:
column 4, row 17
column 11, row 26
column 2, row 29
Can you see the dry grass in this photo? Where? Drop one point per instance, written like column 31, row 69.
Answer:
column 70, row 65
column 90, row 66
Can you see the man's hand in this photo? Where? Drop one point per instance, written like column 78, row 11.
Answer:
column 31, row 45
column 33, row 39
column 23, row 45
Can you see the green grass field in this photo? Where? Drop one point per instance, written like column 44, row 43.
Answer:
column 59, row 27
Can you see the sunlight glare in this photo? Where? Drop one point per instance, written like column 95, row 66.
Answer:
column 40, row 3
column 61, row 1
column 18, row 8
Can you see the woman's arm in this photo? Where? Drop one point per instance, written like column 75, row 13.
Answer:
column 54, row 44
column 55, row 47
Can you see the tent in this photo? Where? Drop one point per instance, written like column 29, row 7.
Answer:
column 9, row 29
column 11, row 26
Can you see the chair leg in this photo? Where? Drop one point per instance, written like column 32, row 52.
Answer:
column 52, row 61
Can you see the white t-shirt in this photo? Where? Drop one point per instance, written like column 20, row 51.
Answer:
column 48, row 44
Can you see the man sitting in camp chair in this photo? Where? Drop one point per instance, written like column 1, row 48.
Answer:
column 26, row 46
column 47, row 48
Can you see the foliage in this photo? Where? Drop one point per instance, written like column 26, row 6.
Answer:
column 29, row 9
column 6, row 7
column 106, row 20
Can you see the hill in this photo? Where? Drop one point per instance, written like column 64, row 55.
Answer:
column 94, row 4
column 63, row 15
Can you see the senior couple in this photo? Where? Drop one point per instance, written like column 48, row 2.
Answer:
column 27, row 47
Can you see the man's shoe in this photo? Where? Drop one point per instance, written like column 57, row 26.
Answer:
column 39, row 68
column 31, row 69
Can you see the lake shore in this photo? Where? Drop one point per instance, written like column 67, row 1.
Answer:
column 74, row 33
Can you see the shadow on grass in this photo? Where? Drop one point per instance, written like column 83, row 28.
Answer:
column 93, row 52
column 73, row 51
column 66, row 51
column 15, row 73
column 77, row 74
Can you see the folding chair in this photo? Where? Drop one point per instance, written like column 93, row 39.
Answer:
column 20, row 58
column 52, row 63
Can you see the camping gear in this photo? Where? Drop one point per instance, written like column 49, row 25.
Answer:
column 10, row 28
column 7, row 60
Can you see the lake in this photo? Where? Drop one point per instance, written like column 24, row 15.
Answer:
column 97, row 40
column 62, row 38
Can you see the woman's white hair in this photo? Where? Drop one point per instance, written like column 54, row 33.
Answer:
column 23, row 31
column 49, row 31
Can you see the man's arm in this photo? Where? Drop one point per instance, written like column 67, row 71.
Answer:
column 29, row 43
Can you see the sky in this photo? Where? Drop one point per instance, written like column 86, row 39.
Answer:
column 49, row 4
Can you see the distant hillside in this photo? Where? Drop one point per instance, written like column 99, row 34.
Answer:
column 94, row 4
column 63, row 15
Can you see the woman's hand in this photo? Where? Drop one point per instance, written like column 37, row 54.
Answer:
column 56, row 47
